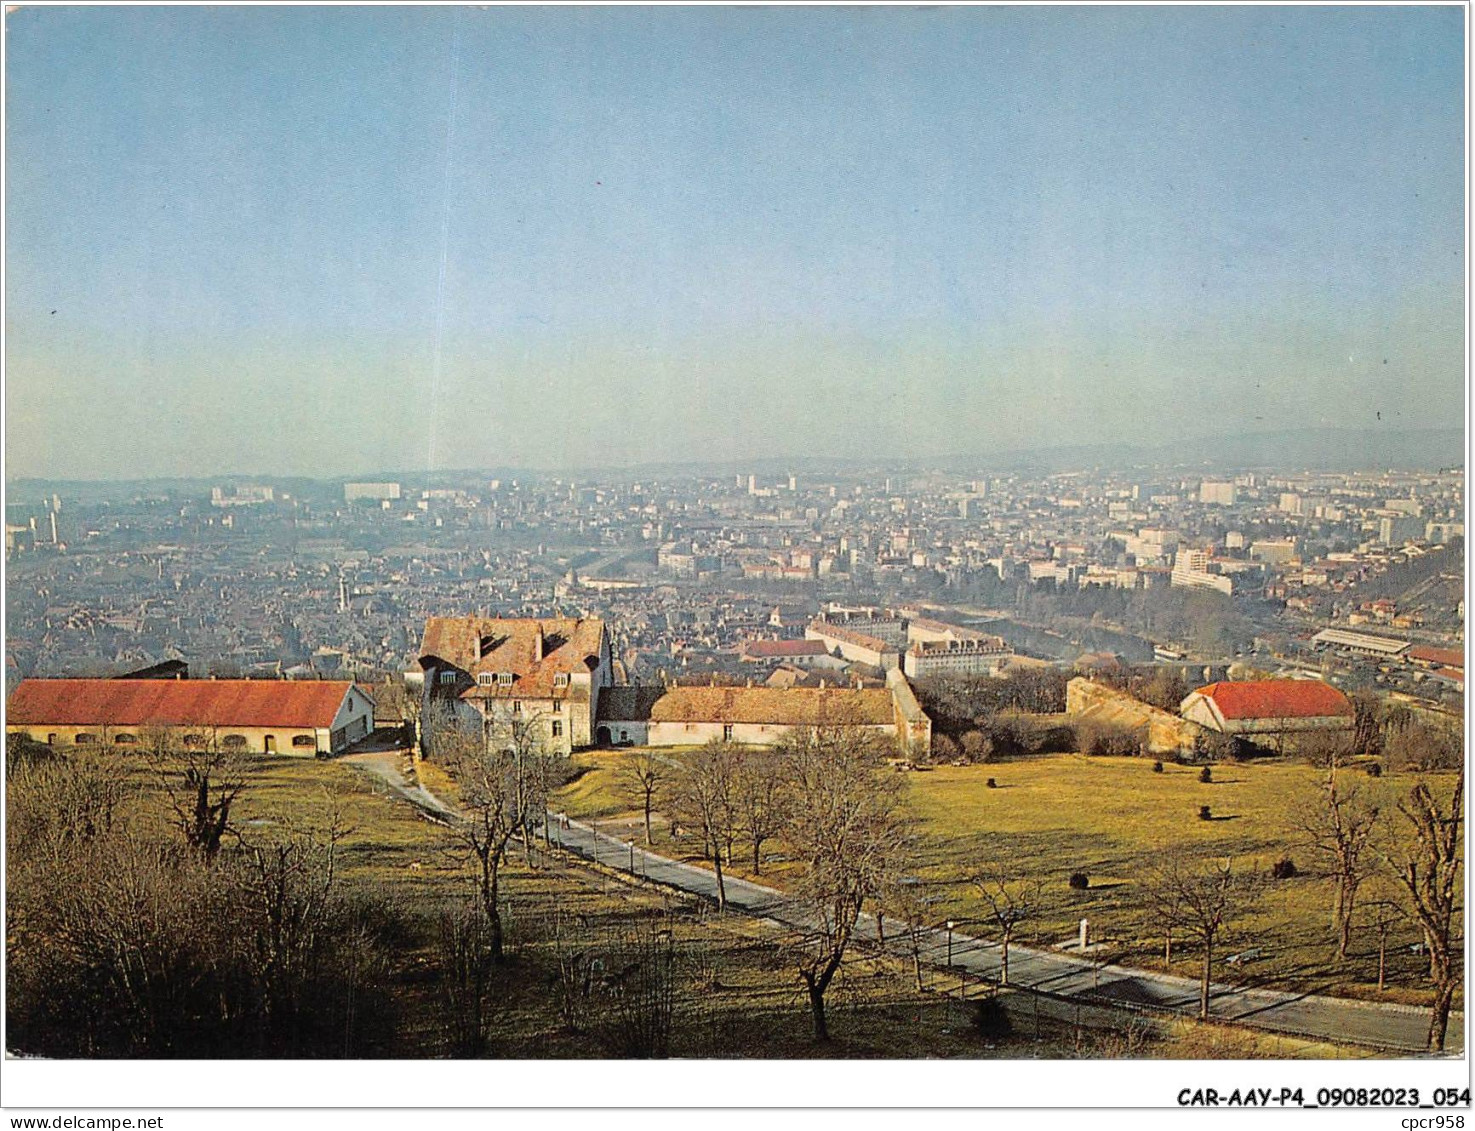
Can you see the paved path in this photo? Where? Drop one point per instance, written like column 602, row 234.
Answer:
column 387, row 766
column 1379, row 1025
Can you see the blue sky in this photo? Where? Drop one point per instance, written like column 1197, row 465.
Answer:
column 236, row 236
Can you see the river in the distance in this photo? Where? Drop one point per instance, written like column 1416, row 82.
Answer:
column 1045, row 645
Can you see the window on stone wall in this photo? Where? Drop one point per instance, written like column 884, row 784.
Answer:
column 557, row 729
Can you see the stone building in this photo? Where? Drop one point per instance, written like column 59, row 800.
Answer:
column 545, row 673
column 856, row 647
column 760, row 716
column 1162, row 733
column 1269, row 712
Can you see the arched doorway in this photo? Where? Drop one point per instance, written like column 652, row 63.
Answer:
column 601, row 736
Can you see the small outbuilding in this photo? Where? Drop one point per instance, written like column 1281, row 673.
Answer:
column 1269, row 712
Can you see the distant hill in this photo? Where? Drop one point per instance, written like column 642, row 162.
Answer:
column 1323, row 449
column 1326, row 449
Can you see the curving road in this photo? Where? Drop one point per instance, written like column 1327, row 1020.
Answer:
column 1397, row 1028
column 1394, row 1028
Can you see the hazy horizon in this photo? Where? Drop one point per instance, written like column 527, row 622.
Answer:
column 323, row 242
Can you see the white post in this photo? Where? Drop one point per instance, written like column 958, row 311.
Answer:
column 1084, row 933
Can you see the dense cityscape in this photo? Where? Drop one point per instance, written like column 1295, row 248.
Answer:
column 697, row 536
column 304, row 580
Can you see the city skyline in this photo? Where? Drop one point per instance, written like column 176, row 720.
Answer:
column 322, row 242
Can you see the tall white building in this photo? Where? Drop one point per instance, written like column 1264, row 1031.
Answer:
column 378, row 492
column 1191, row 570
column 1216, row 494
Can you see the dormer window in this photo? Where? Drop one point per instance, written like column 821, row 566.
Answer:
column 560, row 679
column 504, row 679
column 447, row 676
column 484, row 679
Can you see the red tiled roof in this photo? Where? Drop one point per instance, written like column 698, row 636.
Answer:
column 776, row 649
column 1444, row 657
column 497, row 644
column 1277, row 699
column 177, row 702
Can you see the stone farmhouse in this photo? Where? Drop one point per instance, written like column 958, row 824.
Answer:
column 556, row 676
column 547, row 674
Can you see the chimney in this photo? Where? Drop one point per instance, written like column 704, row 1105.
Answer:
column 538, row 644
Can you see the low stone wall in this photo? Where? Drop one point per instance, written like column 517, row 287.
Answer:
column 1166, row 734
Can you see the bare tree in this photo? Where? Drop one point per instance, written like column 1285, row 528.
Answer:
column 1366, row 739
column 760, row 799
column 1011, row 900
column 1387, row 914
column 1340, row 829
column 1327, row 749
column 1427, row 864
column 203, row 775
column 641, row 777
column 502, row 775
column 573, row 974
column 847, row 837
column 1200, row 901
column 903, row 898
column 124, row 940
column 466, row 973
column 70, row 798
column 395, row 699
column 285, row 888
column 639, row 993
column 704, row 801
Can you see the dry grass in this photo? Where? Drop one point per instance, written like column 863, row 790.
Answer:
column 737, row 992
column 1114, row 819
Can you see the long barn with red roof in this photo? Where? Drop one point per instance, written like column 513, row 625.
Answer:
column 304, row 717
column 1269, row 711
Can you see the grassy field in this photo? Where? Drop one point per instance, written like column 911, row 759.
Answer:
column 736, row 992
column 1114, row 819
column 388, row 843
